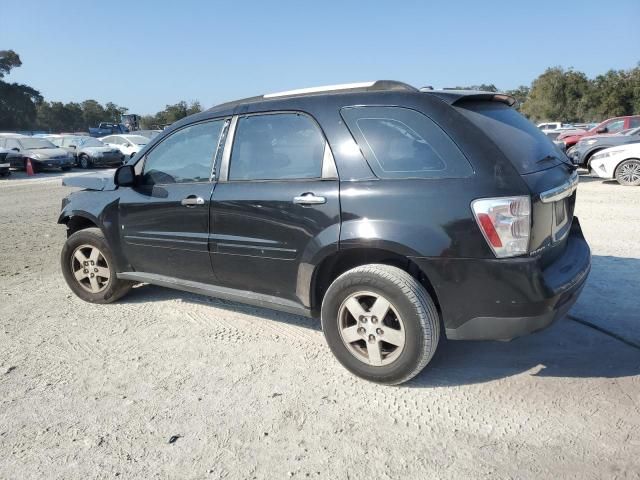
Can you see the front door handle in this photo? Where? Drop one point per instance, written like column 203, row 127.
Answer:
column 309, row 198
column 192, row 201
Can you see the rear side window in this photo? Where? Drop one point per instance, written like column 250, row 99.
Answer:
column 403, row 143
column 634, row 122
column 276, row 146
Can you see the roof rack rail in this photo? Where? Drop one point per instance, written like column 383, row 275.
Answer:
column 375, row 85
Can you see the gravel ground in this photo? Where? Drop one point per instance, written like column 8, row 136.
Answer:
column 92, row 391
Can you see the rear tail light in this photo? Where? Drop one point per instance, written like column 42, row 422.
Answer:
column 505, row 223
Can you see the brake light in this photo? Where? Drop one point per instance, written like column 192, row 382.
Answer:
column 505, row 223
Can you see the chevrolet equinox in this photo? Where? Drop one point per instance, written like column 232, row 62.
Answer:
column 395, row 215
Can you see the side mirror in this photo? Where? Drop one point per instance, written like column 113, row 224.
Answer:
column 602, row 130
column 125, row 176
column 15, row 149
column 72, row 146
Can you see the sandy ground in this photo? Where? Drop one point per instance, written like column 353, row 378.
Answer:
column 98, row 391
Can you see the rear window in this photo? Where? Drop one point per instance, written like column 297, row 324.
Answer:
column 403, row 143
column 521, row 141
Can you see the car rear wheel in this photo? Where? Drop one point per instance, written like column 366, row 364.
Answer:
column 89, row 269
column 628, row 172
column 380, row 323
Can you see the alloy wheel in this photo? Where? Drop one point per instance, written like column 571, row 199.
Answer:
column 90, row 268
column 630, row 172
column 371, row 328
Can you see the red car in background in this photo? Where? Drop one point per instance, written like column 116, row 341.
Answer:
column 610, row 126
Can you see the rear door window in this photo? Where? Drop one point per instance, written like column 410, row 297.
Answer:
column 275, row 147
column 403, row 143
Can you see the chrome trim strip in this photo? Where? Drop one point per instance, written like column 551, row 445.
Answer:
column 223, row 175
column 325, row 88
column 561, row 191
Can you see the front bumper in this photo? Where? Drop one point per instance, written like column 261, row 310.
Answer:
column 54, row 162
column 107, row 161
column 507, row 298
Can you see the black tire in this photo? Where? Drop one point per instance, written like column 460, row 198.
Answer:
column 411, row 302
column 84, row 162
column 111, row 289
column 628, row 173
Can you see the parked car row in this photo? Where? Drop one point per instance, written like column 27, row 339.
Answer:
column 66, row 151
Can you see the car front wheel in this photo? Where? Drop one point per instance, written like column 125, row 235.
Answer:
column 628, row 172
column 84, row 162
column 380, row 323
column 89, row 269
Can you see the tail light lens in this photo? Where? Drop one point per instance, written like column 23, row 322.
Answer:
column 505, row 223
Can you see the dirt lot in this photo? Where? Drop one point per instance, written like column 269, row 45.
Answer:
column 98, row 391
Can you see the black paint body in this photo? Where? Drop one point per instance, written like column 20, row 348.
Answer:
column 249, row 236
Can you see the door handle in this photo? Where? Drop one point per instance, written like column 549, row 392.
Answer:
column 309, row 198
column 192, row 201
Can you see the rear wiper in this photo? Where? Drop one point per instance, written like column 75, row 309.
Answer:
column 547, row 158
column 569, row 164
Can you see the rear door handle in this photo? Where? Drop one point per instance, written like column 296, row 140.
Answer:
column 309, row 198
column 192, row 201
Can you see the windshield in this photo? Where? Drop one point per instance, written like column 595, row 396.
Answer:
column 36, row 143
column 138, row 139
column 90, row 142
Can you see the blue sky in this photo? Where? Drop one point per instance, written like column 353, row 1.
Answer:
column 144, row 54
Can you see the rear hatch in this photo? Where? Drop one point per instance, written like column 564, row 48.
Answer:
column 545, row 169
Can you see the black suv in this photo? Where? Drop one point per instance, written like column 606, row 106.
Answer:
column 389, row 212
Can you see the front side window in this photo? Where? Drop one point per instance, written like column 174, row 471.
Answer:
column 185, row 156
column 403, row 143
column 615, row 126
column 276, row 146
column 12, row 143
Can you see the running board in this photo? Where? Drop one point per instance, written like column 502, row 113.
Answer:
column 224, row 293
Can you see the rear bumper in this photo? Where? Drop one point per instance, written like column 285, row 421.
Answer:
column 508, row 298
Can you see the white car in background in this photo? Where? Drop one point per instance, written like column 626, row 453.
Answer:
column 129, row 145
column 621, row 163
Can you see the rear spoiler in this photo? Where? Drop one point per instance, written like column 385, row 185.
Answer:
column 453, row 97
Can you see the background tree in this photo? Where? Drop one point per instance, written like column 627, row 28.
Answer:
column 17, row 102
column 557, row 95
column 8, row 60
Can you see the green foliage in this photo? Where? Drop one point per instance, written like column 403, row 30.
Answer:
column 170, row 114
column 569, row 96
column 17, row 102
column 8, row 60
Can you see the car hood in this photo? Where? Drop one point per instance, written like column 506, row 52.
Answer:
column 92, row 181
column 48, row 152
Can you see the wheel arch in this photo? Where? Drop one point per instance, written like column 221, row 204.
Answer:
column 78, row 221
column 335, row 264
